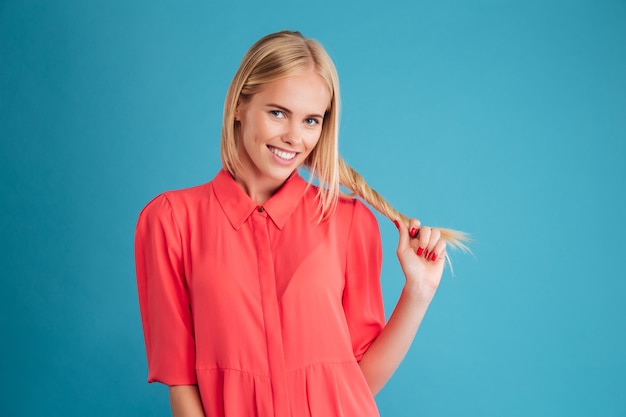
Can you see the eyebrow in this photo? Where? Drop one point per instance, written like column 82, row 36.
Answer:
column 286, row 110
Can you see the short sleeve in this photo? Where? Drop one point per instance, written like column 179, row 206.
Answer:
column 163, row 297
column 362, row 297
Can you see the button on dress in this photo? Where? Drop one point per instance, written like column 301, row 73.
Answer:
column 265, row 308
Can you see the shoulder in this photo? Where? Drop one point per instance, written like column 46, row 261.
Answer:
column 362, row 233
column 356, row 210
column 190, row 195
column 348, row 209
column 170, row 202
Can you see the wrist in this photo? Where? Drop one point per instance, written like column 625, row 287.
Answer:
column 418, row 292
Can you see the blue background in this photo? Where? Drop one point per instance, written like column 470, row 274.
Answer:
column 506, row 119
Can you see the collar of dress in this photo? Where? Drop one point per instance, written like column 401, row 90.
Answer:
column 238, row 206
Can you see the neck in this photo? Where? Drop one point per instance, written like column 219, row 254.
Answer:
column 258, row 190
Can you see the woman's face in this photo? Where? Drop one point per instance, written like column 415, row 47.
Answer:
column 279, row 127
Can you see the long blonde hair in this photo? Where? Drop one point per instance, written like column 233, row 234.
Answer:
column 281, row 55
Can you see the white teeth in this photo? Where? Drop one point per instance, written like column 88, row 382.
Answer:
column 282, row 154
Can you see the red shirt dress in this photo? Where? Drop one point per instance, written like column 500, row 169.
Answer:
column 265, row 309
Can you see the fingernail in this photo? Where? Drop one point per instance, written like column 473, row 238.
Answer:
column 420, row 250
column 397, row 224
column 413, row 232
column 426, row 254
column 434, row 256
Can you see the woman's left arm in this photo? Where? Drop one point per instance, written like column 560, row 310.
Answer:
column 422, row 257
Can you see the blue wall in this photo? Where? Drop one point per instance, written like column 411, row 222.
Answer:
column 503, row 118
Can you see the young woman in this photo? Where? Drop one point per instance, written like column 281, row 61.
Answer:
column 260, row 292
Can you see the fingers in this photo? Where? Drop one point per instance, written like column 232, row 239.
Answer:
column 425, row 241
column 438, row 251
column 414, row 227
column 428, row 241
column 404, row 240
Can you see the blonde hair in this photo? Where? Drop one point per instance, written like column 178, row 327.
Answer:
column 281, row 55
column 274, row 57
column 353, row 181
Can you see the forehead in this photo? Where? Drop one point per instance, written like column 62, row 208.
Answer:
column 307, row 93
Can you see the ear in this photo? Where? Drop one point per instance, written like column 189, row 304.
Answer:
column 237, row 112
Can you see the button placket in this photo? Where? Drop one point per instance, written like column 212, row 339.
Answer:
column 271, row 314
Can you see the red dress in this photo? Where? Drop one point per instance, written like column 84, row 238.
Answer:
column 265, row 309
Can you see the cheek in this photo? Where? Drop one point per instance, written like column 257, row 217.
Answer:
column 312, row 139
column 264, row 131
column 251, row 136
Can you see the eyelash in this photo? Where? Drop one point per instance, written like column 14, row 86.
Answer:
column 276, row 113
column 280, row 114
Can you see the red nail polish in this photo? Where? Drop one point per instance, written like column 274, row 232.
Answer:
column 426, row 254
column 433, row 257
column 419, row 251
column 413, row 232
column 397, row 224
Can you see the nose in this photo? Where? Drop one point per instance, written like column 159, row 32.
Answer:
column 293, row 133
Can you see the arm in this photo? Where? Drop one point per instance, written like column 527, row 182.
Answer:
column 164, row 300
column 422, row 274
column 185, row 401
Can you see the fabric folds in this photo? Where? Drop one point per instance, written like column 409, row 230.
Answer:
column 266, row 309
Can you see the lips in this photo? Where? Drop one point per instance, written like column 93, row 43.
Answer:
column 287, row 156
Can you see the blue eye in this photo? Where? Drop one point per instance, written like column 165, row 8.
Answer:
column 311, row 122
column 277, row 113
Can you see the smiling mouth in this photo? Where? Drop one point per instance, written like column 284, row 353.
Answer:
column 287, row 156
